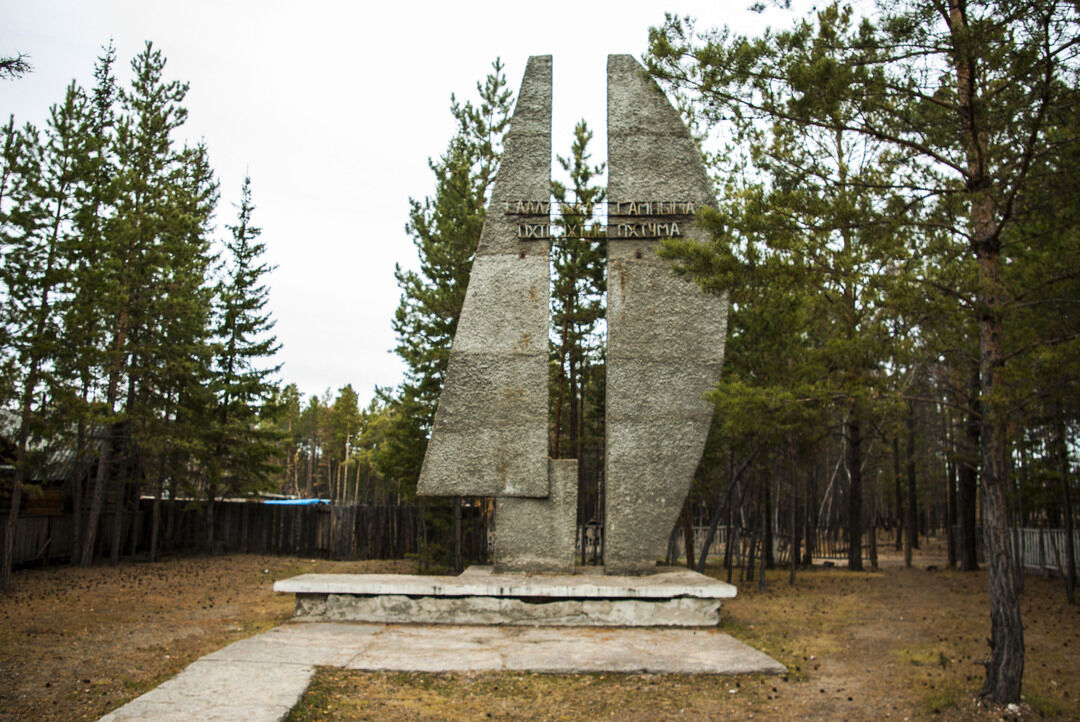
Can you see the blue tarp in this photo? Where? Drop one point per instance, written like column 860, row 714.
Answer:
column 297, row 502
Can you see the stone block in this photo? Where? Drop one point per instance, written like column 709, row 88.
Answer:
column 630, row 382
column 538, row 535
column 670, row 597
column 651, row 480
column 652, row 313
column 486, row 462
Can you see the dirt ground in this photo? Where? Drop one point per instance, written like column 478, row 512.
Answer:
column 76, row 643
column 894, row 644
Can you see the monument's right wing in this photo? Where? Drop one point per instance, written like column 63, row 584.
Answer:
column 665, row 337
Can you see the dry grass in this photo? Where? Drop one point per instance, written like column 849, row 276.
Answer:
column 75, row 643
column 894, row 644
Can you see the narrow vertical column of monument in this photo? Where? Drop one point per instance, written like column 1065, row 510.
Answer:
column 665, row 337
column 490, row 431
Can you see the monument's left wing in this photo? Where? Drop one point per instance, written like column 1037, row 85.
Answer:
column 490, row 432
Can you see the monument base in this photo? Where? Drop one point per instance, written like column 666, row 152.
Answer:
column 669, row 598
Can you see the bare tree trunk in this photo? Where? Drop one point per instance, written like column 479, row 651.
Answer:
column 98, row 498
column 912, row 492
column 211, row 492
column 77, row 492
column 1061, row 451
column 155, row 520
column 118, row 511
column 854, row 464
column 13, row 512
column 967, row 487
column 761, row 564
column 811, row 518
column 688, row 534
column 873, row 531
column 310, row 466
column 1005, row 669
column 795, row 537
column 950, row 504
column 718, row 513
column 899, row 493
column 767, row 555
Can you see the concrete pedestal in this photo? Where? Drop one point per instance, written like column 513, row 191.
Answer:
column 669, row 598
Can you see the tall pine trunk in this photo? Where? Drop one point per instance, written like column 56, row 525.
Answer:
column 1005, row 668
column 116, row 367
column 899, row 493
column 78, row 489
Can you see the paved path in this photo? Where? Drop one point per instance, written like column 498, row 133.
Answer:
column 263, row 677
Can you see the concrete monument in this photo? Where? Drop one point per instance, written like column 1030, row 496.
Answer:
column 665, row 341
column 665, row 348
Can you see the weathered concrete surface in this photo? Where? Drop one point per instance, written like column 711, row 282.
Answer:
column 665, row 337
column 490, row 431
column 566, row 651
column 538, row 535
column 478, row 581
column 222, row 690
column 263, row 677
column 400, row 609
column 674, row 597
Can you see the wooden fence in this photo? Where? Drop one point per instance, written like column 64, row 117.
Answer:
column 317, row 530
column 1044, row 549
column 380, row 532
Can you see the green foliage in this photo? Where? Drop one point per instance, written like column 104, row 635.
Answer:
column 902, row 167
column 578, row 285
column 117, row 344
column 242, row 456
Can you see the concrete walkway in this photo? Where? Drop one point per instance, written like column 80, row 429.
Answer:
column 263, row 677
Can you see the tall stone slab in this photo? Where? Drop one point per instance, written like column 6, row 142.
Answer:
column 665, row 337
column 490, row 432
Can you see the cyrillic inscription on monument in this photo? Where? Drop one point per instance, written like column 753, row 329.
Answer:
column 542, row 231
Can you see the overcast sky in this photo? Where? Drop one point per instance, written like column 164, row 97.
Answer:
column 334, row 108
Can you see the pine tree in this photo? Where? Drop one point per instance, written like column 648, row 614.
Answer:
column 240, row 451
column 84, row 325
column 175, row 384
column 577, row 299
column 578, row 286
column 34, row 275
column 132, row 258
column 345, row 423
